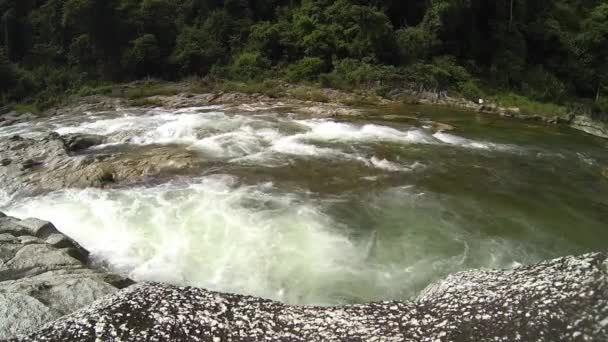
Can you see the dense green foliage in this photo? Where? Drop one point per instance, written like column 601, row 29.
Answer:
column 550, row 50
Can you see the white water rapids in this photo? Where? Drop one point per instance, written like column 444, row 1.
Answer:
column 264, row 238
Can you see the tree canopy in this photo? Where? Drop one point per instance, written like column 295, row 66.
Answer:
column 552, row 50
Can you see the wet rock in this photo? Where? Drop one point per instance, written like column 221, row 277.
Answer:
column 566, row 120
column 440, row 127
column 31, row 227
column 49, row 163
column 7, row 121
column 38, row 228
column 26, row 117
column 44, row 275
column 59, row 240
column 565, row 299
column 514, row 110
column 78, row 142
column 28, row 164
column 590, row 126
column 30, row 257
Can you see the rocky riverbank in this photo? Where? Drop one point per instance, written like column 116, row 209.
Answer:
column 310, row 100
column 330, row 102
column 565, row 299
column 429, row 98
column 590, row 126
column 31, row 166
column 44, row 275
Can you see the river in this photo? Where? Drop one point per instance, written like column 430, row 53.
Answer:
column 326, row 211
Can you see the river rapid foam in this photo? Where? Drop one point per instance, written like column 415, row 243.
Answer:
column 281, row 240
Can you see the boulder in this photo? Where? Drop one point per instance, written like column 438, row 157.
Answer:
column 590, row 126
column 44, row 275
column 48, row 163
column 37, row 227
column 78, row 142
column 565, row 299
column 22, row 313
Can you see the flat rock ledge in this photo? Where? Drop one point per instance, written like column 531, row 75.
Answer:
column 565, row 299
column 44, row 275
column 33, row 166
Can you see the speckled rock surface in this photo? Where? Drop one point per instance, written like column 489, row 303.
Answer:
column 44, row 275
column 564, row 299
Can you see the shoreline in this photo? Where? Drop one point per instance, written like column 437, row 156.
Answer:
column 333, row 101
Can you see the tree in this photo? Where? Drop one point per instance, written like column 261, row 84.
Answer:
column 9, row 27
column 196, row 51
column 8, row 73
column 521, row 46
column 594, row 47
column 143, row 57
column 415, row 44
column 249, row 66
column 159, row 19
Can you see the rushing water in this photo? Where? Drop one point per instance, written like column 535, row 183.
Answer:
column 320, row 211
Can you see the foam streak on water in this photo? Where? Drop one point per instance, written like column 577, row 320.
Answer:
column 260, row 138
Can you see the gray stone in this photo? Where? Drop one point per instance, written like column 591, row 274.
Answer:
column 28, row 164
column 565, row 299
column 11, row 225
column 48, row 163
column 44, row 275
column 38, row 228
column 33, row 259
column 590, row 126
column 61, row 291
column 78, row 142
column 59, row 240
column 71, row 247
column 21, row 314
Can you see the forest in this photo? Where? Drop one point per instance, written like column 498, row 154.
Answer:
column 553, row 51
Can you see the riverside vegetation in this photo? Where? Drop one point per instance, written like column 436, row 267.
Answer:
column 545, row 57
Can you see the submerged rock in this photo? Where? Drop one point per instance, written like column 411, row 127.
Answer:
column 78, row 142
column 565, row 299
column 44, row 275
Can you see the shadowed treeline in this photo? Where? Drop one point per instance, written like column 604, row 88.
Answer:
column 551, row 51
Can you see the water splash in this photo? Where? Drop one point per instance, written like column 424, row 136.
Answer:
column 216, row 233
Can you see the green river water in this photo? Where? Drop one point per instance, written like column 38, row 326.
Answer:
column 335, row 211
